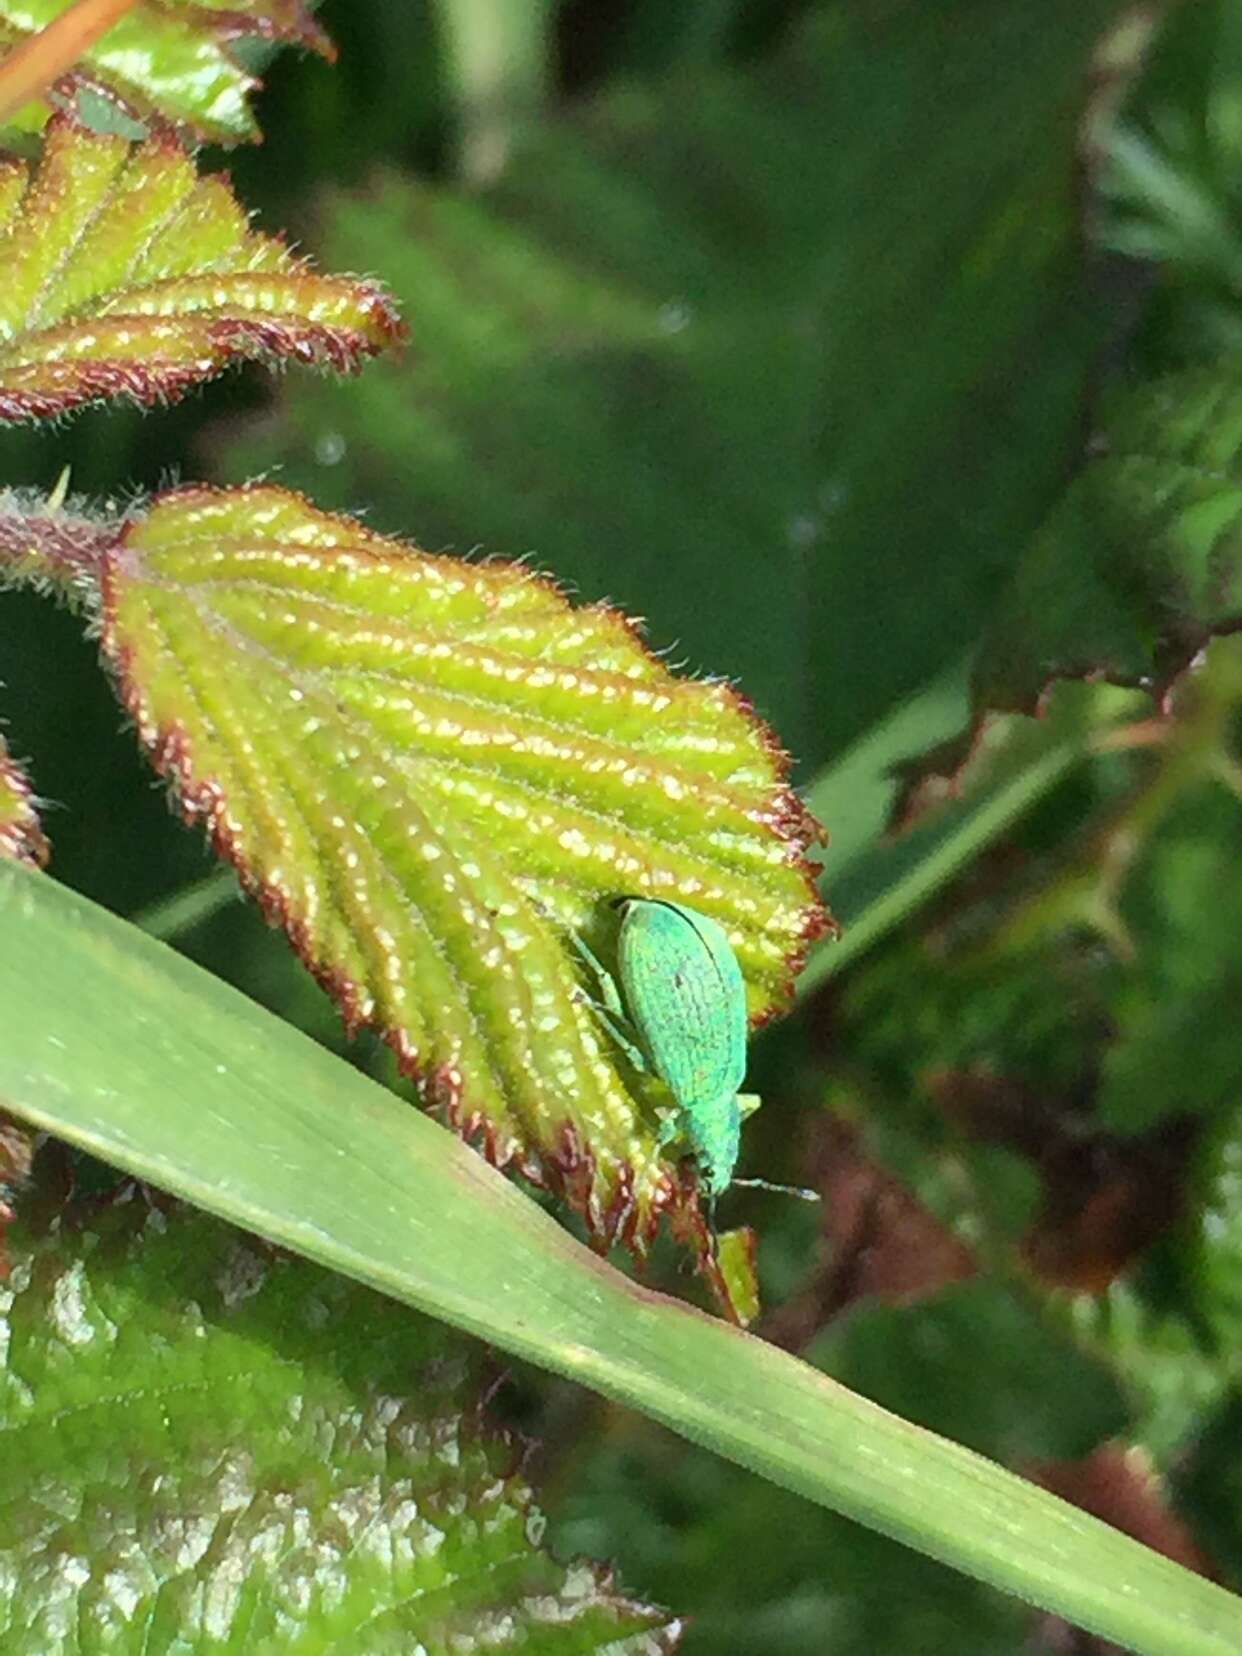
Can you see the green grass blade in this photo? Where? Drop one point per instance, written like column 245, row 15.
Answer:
column 118, row 1045
column 875, row 881
column 888, row 881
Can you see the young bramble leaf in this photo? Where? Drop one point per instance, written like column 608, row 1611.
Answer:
column 20, row 834
column 126, row 274
column 171, row 59
column 427, row 770
column 191, row 1459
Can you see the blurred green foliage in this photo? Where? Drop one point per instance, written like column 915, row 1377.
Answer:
column 780, row 325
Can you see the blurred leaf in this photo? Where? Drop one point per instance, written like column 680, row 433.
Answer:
column 1176, row 1046
column 427, row 770
column 1149, row 1334
column 171, row 59
column 1138, row 567
column 1214, row 1229
column 744, row 351
column 17, row 1144
column 128, row 275
column 1169, row 182
column 1141, row 564
column 1210, row 1483
column 1012, row 1020
column 191, row 1457
column 979, row 1363
column 756, row 1570
column 173, row 1076
column 653, row 39
column 878, row 1240
column 21, row 837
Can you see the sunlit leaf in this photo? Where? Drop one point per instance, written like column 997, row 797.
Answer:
column 21, row 837
column 126, row 274
column 192, row 1457
column 427, row 771
column 171, row 59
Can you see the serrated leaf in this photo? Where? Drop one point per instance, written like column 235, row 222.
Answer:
column 171, row 59
column 1142, row 562
column 192, row 1455
column 21, row 837
column 427, row 770
column 129, row 275
column 1138, row 568
column 291, row 20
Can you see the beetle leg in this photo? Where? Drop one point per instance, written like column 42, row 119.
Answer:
column 609, row 1008
column 617, row 1026
column 800, row 1191
column 610, row 995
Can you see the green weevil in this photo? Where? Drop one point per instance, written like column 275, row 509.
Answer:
column 680, row 1015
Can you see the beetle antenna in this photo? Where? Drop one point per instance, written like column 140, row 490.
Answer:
column 799, row 1191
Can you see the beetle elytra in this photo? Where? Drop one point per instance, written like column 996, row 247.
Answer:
column 679, row 1014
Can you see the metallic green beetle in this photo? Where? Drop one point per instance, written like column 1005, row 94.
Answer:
column 680, row 1014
